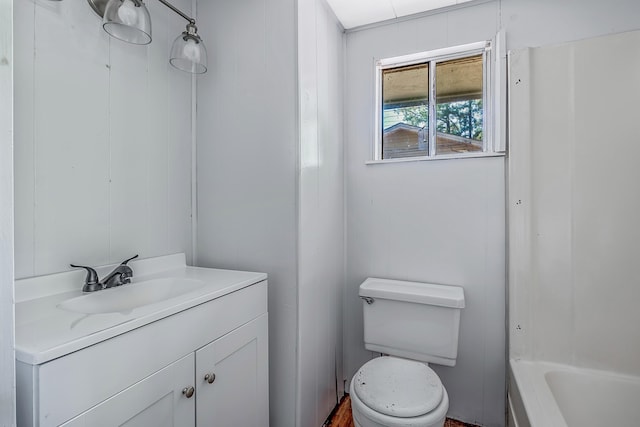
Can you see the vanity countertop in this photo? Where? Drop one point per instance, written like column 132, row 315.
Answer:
column 45, row 331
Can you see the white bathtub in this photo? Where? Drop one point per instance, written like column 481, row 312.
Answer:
column 545, row 394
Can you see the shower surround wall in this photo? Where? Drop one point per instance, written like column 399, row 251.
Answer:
column 102, row 140
column 575, row 280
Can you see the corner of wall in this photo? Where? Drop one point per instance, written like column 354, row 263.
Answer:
column 7, row 358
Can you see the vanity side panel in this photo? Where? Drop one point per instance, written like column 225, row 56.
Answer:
column 76, row 382
column 26, row 388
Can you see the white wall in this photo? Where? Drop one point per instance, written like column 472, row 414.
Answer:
column 580, row 304
column 103, row 140
column 247, row 166
column 321, row 212
column 532, row 23
column 434, row 221
column 7, row 369
column 409, row 249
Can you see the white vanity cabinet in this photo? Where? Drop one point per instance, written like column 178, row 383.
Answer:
column 155, row 401
column 229, row 389
column 232, row 378
column 205, row 364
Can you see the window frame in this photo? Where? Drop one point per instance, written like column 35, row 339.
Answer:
column 490, row 147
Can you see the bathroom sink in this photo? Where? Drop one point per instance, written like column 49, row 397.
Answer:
column 128, row 297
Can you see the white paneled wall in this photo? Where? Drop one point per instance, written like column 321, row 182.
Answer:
column 103, row 140
column 7, row 370
column 321, row 212
column 247, row 166
column 580, row 305
column 437, row 221
column 470, row 253
column 543, row 22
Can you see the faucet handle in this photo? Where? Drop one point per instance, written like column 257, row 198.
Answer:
column 127, row 260
column 91, row 283
column 92, row 276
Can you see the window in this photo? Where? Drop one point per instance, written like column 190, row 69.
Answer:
column 435, row 104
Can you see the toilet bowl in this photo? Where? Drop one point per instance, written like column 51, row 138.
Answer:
column 394, row 392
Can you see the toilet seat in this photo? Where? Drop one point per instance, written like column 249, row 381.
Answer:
column 413, row 376
column 398, row 387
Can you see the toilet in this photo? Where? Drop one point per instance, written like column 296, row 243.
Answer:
column 412, row 324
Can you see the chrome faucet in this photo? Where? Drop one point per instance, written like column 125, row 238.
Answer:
column 121, row 275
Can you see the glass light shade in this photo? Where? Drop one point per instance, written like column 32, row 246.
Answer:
column 188, row 53
column 128, row 20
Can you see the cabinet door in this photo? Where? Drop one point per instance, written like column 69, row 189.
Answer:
column 238, row 394
column 156, row 401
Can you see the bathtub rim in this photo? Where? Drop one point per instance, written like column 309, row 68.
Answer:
column 533, row 391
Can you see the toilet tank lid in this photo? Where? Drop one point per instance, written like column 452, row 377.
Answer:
column 420, row 293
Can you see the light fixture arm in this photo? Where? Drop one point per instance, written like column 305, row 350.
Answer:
column 99, row 7
column 178, row 11
column 133, row 25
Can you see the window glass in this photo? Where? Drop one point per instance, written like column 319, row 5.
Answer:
column 405, row 111
column 459, row 109
column 435, row 104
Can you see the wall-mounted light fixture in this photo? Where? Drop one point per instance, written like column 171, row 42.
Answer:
column 129, row 20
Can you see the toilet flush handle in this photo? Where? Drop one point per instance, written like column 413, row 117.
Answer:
column 368, row 300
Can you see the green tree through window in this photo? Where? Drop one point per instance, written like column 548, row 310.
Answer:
column 460, row 118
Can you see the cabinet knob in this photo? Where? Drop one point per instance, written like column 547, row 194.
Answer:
column 210, row 378
column 188, row 391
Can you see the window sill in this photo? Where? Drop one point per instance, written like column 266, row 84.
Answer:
column 442, row 157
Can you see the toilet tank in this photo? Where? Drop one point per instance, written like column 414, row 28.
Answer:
column 418, row 321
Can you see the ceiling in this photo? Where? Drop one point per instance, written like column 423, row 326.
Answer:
column 354, row 13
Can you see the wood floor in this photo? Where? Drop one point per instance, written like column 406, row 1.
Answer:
column 342, row 417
